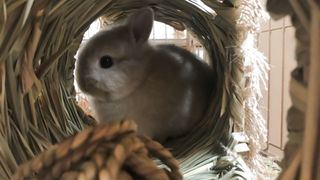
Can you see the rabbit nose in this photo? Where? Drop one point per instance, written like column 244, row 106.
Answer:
column 91, row 81
column 88, row 80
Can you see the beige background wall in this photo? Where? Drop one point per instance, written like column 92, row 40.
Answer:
column 276, row 41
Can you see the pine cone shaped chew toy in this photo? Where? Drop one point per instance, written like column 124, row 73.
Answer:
column 108, row 151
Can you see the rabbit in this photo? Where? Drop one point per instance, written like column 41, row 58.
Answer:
column 164, row 89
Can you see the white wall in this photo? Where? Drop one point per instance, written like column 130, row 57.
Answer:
column 276, row 40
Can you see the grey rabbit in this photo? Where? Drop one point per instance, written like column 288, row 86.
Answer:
column 164, row 89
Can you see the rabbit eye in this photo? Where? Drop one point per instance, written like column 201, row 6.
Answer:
column 106, row 62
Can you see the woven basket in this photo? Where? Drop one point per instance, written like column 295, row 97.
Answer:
column 301, row 154
column 38, row 41
column 109, row 151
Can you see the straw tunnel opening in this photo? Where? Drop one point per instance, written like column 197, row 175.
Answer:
column 200, row 42
column 161, row 33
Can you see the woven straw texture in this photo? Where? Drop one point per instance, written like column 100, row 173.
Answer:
column 38, row 41
column 301, row 159
column 109, row 151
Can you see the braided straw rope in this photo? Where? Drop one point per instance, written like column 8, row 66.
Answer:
column 107, row 151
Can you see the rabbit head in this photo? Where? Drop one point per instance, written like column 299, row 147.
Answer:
column 112, row 64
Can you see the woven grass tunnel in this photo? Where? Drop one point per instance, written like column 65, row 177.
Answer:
column 40, row 38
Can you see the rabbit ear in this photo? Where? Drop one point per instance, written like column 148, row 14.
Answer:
column 140, row 23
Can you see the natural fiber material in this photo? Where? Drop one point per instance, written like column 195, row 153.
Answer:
column 38, row 41
column 109, row 151
column 301, row 159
